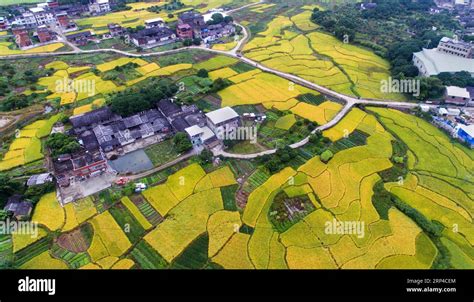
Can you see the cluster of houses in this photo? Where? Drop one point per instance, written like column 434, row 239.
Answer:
column 17, row 206
column 191, row 25
column 104, row 135
column 51, row 11
column 32, row 27
column 37, row 21
column 455, row 121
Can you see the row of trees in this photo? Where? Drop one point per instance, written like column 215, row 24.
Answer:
column 218, row 18
column 137, row 99
column 60, row 143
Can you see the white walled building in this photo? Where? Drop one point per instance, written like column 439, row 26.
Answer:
column 222, row 119
column 99, row 7
column 43, row 16
column 455, row 47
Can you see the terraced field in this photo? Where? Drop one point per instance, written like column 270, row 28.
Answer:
column 26, row 147
column 292, row 45
column 200, row 226
column 9, row 48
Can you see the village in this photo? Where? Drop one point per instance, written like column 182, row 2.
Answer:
column 237, row 134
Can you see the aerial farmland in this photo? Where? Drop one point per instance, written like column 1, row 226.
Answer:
column 233, row 134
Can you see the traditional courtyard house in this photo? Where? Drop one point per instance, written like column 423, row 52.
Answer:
column 81, row 38
column 156, row 22
column 64, row 23
column 104, row 130
column 98, row 7
column 200, row 135
column 73, row 9
column 115, row 30
column 223, row 120
column 194, row 20
column 216, row 31
column 130, row 129
column 457, row 95
column 153, row 37
column 19, row 208
column 45, row 35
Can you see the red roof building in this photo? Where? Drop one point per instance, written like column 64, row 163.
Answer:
column 184, row 31
column 3, row 23
column 63, row 20
column 44, row 35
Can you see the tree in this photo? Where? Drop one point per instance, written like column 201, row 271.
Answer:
column 205, row 156
column 134, row 100
column 326, row 156
column 187, row 42
column 8, row 187
column 430, row 88
column 203, row 73
column 182, row 143
column 460, row 79
column 3, row 215
column 197, row 41
column 219, row 84
column 228, row 19
column 216, row 18
column 34, row 193
column 60, row 143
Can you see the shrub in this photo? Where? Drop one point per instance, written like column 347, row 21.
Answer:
column 181, row 142
column 203, row 73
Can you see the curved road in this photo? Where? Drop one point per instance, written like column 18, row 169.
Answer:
column 348, row 100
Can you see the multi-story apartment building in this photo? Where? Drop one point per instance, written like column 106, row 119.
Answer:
column 455, row 47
